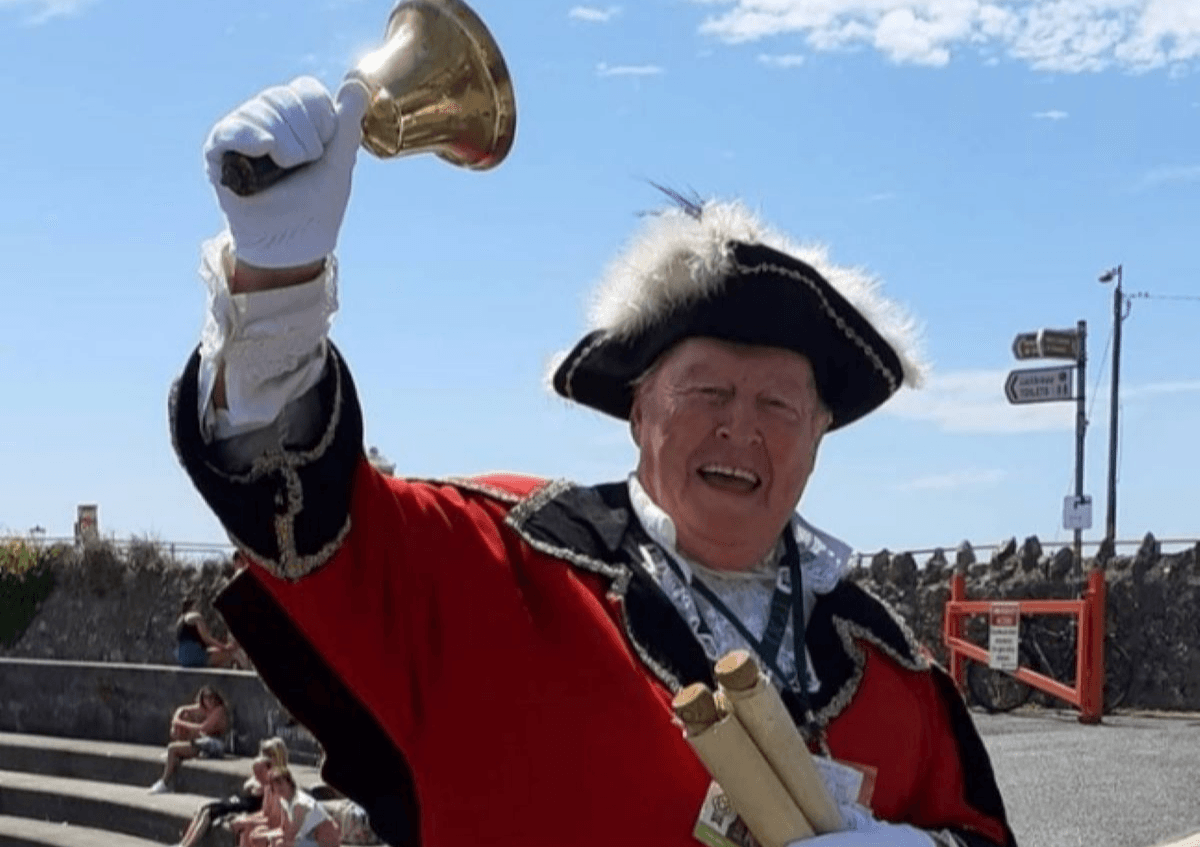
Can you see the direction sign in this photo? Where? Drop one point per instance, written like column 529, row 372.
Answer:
column 1025, row 346
column 1047, row 344
column 1040, row 385
column 1058, row 343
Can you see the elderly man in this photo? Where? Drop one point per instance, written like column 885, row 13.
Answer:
column 493, row 660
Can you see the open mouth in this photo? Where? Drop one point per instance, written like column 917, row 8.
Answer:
column 728, row 478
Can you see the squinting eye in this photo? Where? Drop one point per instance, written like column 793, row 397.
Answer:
column 783, row 408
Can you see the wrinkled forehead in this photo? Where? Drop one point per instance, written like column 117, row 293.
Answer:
column 708, row 358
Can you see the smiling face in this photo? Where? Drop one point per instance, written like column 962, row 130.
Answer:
column 728, row 436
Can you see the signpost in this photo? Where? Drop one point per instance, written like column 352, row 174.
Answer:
column 1025, row 346
column 1045, row 385
column 1059, row 343
column 1048, row 344
column 1040, row 385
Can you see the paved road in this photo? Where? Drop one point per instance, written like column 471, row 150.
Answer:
column 1132, row 781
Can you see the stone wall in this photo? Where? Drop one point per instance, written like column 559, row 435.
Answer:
column 121, row 608
column 108, row 629
column 118, row 605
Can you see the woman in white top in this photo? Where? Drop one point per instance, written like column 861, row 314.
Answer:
column 305, row 822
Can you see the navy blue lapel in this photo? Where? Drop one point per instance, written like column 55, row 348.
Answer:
column 594, row 528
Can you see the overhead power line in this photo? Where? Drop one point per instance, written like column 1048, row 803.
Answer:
column 1146, row 295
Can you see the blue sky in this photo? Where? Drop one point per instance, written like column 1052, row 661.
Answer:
column 988, row 160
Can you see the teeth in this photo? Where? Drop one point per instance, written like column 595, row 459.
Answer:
column 736, row 473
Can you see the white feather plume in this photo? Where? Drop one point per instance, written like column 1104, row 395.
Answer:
column 677, row 258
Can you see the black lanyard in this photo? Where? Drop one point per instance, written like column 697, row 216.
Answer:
column 787, row 596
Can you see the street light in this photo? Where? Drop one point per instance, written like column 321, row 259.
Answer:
column 1110, row 522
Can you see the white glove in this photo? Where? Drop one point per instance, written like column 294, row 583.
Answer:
column 863, row 830
column 296, row 221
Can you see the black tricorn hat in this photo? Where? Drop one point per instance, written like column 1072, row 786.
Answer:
column 715, row 271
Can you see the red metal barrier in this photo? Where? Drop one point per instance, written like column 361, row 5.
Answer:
column 1087, row 694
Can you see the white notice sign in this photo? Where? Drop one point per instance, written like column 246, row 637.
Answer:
column 1004, row 633
column 1077, row 512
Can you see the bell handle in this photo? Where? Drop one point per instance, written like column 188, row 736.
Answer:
column 246, row 175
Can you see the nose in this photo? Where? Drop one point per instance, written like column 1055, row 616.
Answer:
column 738, row 423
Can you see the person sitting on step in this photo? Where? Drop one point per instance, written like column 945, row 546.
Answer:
column 197, row 647
column 197, row 729
column 303, row 822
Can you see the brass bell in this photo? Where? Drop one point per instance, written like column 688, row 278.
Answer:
column 438, row 85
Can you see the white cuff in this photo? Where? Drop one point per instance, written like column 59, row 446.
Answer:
column 272, row 344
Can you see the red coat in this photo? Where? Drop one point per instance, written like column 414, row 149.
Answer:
column 484, row 663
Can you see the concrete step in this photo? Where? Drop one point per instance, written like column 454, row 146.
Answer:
column 126, row 809
column 127, row 764
column 78, row 791
column 26, row 832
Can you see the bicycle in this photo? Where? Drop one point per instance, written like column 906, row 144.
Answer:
column 1050, row 652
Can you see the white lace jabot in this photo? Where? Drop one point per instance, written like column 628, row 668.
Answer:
column 746, row 594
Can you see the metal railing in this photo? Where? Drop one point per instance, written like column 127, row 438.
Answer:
column 173, row 549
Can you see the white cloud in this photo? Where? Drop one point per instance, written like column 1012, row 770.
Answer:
column 1055, row 35
column 955, row 480
column 1161, row 388
column 1051, row 115
column 627, row 70
column 903, row 36
column 785, row 60
column 1168, row 175
column 974, row 402
column 591, row 14
column 41, row 11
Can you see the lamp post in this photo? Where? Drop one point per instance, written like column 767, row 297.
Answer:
column 1110, row 521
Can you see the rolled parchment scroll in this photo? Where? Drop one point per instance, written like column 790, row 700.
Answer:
column 761, row 712
column 739, row 768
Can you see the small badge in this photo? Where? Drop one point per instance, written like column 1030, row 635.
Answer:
column 718, row 825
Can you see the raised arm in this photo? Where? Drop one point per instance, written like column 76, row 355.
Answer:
column 264, row 327
column 263, row 417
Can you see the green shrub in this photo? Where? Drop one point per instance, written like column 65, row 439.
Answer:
column 26, row 579
column 17, row 556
